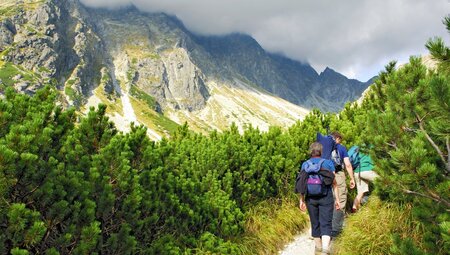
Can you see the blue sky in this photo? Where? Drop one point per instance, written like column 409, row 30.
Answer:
column 354, row 37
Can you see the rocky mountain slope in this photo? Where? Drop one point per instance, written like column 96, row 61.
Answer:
column 292, row 80
column 149, row 68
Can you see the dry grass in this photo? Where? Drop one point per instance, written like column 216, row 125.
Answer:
column 113, row 102
column 141, row 51
column 271, row 225
column 370, row 230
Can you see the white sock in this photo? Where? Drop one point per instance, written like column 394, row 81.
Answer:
column 326, row 242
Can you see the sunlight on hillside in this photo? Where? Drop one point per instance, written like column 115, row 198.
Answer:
column 12, row 7
column 242, row 105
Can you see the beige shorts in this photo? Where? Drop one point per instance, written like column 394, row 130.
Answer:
column 362, row 180
column 341, row 188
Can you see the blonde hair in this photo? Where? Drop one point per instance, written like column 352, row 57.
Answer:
column 315, row 149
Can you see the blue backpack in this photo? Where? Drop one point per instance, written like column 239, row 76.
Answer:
column 353, row 155
column 314, row 184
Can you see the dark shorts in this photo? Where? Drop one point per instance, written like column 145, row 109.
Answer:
column 321, row 214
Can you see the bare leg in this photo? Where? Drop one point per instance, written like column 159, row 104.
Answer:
column 357, row 201
column 318, row 242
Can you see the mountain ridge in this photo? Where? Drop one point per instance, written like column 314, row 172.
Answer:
column 160, row 67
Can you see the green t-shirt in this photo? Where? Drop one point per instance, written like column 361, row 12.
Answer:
column 365, row 163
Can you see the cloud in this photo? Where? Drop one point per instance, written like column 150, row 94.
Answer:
column 354, row 37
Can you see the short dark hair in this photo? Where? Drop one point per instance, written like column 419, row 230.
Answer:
column 315, row 149
column 336, row 135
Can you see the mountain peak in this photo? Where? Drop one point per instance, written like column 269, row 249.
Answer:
column 330, row 74
column 328, row 71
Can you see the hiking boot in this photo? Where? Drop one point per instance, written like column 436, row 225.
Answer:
column 317, row 250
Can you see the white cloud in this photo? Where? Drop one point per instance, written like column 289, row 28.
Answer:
column 355, row 37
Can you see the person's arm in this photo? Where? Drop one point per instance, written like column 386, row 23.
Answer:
column 302, row 204
column 349, row 168
column 336, row 195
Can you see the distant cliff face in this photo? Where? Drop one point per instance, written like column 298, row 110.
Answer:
column 151, row 64
column 50, row 42
column 292, row 80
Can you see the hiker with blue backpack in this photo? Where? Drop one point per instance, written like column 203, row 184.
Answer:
column 363, row 167
column 314, row 184
column 337, row 153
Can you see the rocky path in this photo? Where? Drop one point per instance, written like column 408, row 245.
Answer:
column 303, row 244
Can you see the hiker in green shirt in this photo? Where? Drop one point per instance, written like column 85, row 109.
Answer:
column 363, row 175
